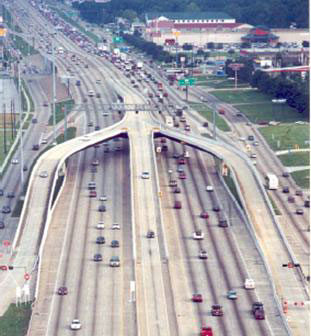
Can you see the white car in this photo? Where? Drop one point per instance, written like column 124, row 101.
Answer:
column 14, row 161
column 105, row 114
column 209, row 188
column 103, row 198
column 44, row 141
column 75, row 325
column 86, row 138
column 145, row 175
column 115, row 226
column 253, row 155
column 44, row 174
column 100, row 225
column 198, row 235
column 249, row 284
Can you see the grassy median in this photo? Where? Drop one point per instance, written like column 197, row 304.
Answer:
column 295, row 159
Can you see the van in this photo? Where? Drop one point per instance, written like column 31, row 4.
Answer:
column 177, row 205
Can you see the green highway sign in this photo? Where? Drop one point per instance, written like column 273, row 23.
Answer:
column 186, row 82
column 117, row 39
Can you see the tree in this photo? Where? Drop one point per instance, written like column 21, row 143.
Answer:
column 211, row 45
column 305, row 44
column 129, row 14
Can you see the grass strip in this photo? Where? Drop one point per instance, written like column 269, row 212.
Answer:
column 60, row 109
column 231, row 185
column 276, row 210
column 302, row 178
column 295, row 159
column 208, row 114
column 15, row 320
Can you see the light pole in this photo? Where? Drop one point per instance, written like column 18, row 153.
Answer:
column 54, row 90
column 20, row 122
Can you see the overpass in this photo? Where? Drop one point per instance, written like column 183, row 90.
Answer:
column 302, row 68
column 141, row 128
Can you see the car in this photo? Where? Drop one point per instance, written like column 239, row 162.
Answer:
column 145, row 175
column 44, row 174
column 10, row 194
column 100, row 225
column 14, row 161
column 4, row 267
column 299, row 211
column 173, row 183
column 150, row 234
column 95, row 162
column 197, row 297
column 285, row 174
column 255, row 143
column 251, row 138
column 223, row 222
column 206, row 331
column 35, row 147
column 176, row 155
column 1, row 192
column 204, row 214
column 75, row 324
column 181, row 161
column 115, row 226
column 6, row 209
column 98, row 257
column 102, row 208
column 25, row 168
column 203, row 254
column 100, row 240
column 249, row 283
column 91, row 185
column 299, row 192
column 97, row 128
column 307, row 203
column 90, row 124
column 180, row 169
column 34, row 120
column 177, row 190
column 216, row 208
column 2, row 226
column 216, row 310
column 285, row 190
column 258, row 311
column 205, row 124
column 198, row 235
column 92, row 193
column 45, row 104
column 291, row 199
column 209, row 188
column 98, row 81
column 182, row 175
column 103, row 198
column 239, row 114
column 114, row 261
column 115, row 243
column 232, row 295
column 242, row 138
column 105, row 114
column 187, row 127
column 177, row 204
column 253, row 155
column 62, row 290
column 98, row 95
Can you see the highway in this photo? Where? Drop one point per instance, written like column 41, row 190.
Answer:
column 166, row 269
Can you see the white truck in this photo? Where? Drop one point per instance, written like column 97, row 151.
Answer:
column 169, row 121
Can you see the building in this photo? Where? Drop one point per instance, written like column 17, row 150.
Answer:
column 260, row 34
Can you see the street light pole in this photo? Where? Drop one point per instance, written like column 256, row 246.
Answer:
column 20, row 122
column 54, row 91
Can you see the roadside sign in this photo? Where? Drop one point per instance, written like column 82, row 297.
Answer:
column 26, row 276
column 186, row 82
column 117, row 39
column 236, row 66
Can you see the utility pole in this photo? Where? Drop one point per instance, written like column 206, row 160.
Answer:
column 20, row 123
column 54, row 91
column 4, row 129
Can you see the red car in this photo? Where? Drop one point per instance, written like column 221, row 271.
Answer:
column 181, row 161
column 197, row 298
column 206, row 331
column 182, row 175
column 3, row 267
column 204, row 214
column 92, row 193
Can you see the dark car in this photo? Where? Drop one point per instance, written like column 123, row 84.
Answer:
column 1, row 192
column 204, row 214
column 291, row 199
column 102, row 208
column 2, row 226
column 150, row 234
column 62, row 290
column 307, row 203
column 35, row 147
column 258, row 311
column 223, row 223
column 299, row 211
column 299, row 193
column 90, row 124
column 100, row 240
column 216, row 208
column 115, row 243
column 25, row 168
column 286, row 190
column 11, row 194
column 177, row 190
column 217, row 310
column 251, row 138
column 97, row 128
column 97, row 257
column 285, row 174
column 6, row 209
